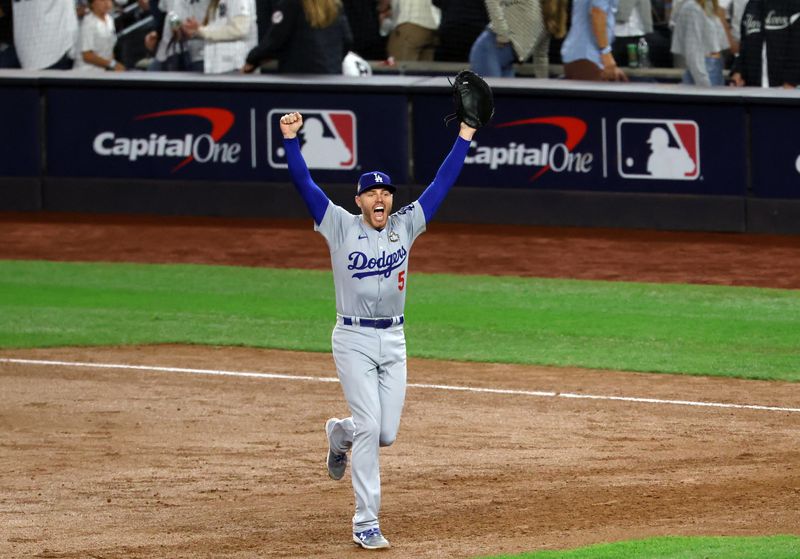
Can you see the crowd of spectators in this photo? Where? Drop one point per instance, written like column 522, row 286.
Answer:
column 717, row 42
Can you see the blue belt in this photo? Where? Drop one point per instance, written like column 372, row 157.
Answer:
column 381, row 323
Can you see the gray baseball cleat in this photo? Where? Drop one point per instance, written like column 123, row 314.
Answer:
column 371, row 539
column 337, row 463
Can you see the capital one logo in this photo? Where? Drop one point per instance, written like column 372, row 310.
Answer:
column 658, row 149
column 554, row 152
column 327, row 139
column 186, row 147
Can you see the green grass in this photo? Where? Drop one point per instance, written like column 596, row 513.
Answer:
column 744, row 332
column 773, row 547
column 712, row 330
column 691, row 329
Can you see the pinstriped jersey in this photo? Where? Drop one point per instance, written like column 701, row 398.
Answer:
column 370, row 267
column 44, row 31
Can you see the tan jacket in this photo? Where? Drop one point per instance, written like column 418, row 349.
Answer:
column 521, row 22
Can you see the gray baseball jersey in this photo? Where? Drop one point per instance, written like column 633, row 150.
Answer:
column 370, row 267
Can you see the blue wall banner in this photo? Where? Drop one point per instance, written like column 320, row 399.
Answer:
column 592, row 145
column 20, row 155
column 776, row 152
column 231, row 136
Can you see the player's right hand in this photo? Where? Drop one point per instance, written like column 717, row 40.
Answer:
column 290, row 124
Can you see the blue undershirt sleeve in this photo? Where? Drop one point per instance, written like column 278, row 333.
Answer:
column 315, row 199
column 433, row 196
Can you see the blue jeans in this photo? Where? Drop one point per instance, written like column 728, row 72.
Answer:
column 714, row 67
column 489, row 60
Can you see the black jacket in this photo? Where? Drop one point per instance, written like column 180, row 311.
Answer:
column 362, row 15
column 6, row 28
column 299, row 48
column 462, row 22
column 778, row 23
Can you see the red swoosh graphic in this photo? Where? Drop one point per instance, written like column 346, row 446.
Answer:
column 221, row 121
column 575, row 129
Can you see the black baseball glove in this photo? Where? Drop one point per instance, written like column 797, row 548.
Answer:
column 473, row 99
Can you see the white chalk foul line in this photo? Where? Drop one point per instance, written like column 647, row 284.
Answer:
column 276, row 376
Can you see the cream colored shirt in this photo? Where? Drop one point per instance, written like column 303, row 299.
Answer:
column 418, row 12
column 229, row 36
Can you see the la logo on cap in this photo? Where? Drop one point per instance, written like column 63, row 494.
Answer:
column 375, row 179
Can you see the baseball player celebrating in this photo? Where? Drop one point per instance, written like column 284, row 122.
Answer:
column 369, row 256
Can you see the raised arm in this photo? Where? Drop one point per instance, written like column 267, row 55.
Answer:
column 315, row 199
column 447, row 174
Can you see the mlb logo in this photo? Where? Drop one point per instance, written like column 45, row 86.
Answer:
column 327, row 139
column 658, row 149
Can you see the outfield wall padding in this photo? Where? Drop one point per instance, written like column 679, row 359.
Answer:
column 557, row 153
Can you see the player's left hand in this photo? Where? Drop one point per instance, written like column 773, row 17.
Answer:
column 473, row 99
column 467, row 131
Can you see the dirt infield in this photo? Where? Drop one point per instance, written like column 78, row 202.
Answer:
column 112, row 463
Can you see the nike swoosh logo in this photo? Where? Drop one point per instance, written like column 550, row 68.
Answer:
column 362, row 237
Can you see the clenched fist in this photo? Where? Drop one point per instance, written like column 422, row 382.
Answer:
column 290, row 124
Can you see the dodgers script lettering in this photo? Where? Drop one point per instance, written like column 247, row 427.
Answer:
column 384, row 265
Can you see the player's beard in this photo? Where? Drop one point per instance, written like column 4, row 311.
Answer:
column 376, row 219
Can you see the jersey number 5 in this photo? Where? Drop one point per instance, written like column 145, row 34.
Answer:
column 401, row 280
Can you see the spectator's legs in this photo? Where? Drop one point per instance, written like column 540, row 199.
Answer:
column 714, row 67
column 506, row 57
column 489, row 60
column 583, row 70
column 409, row 41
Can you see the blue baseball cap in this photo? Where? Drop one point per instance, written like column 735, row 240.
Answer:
column 375, row 179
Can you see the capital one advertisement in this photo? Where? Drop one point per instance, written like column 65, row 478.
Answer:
column 591, row 145
column 228, row 136
column 19, row 132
